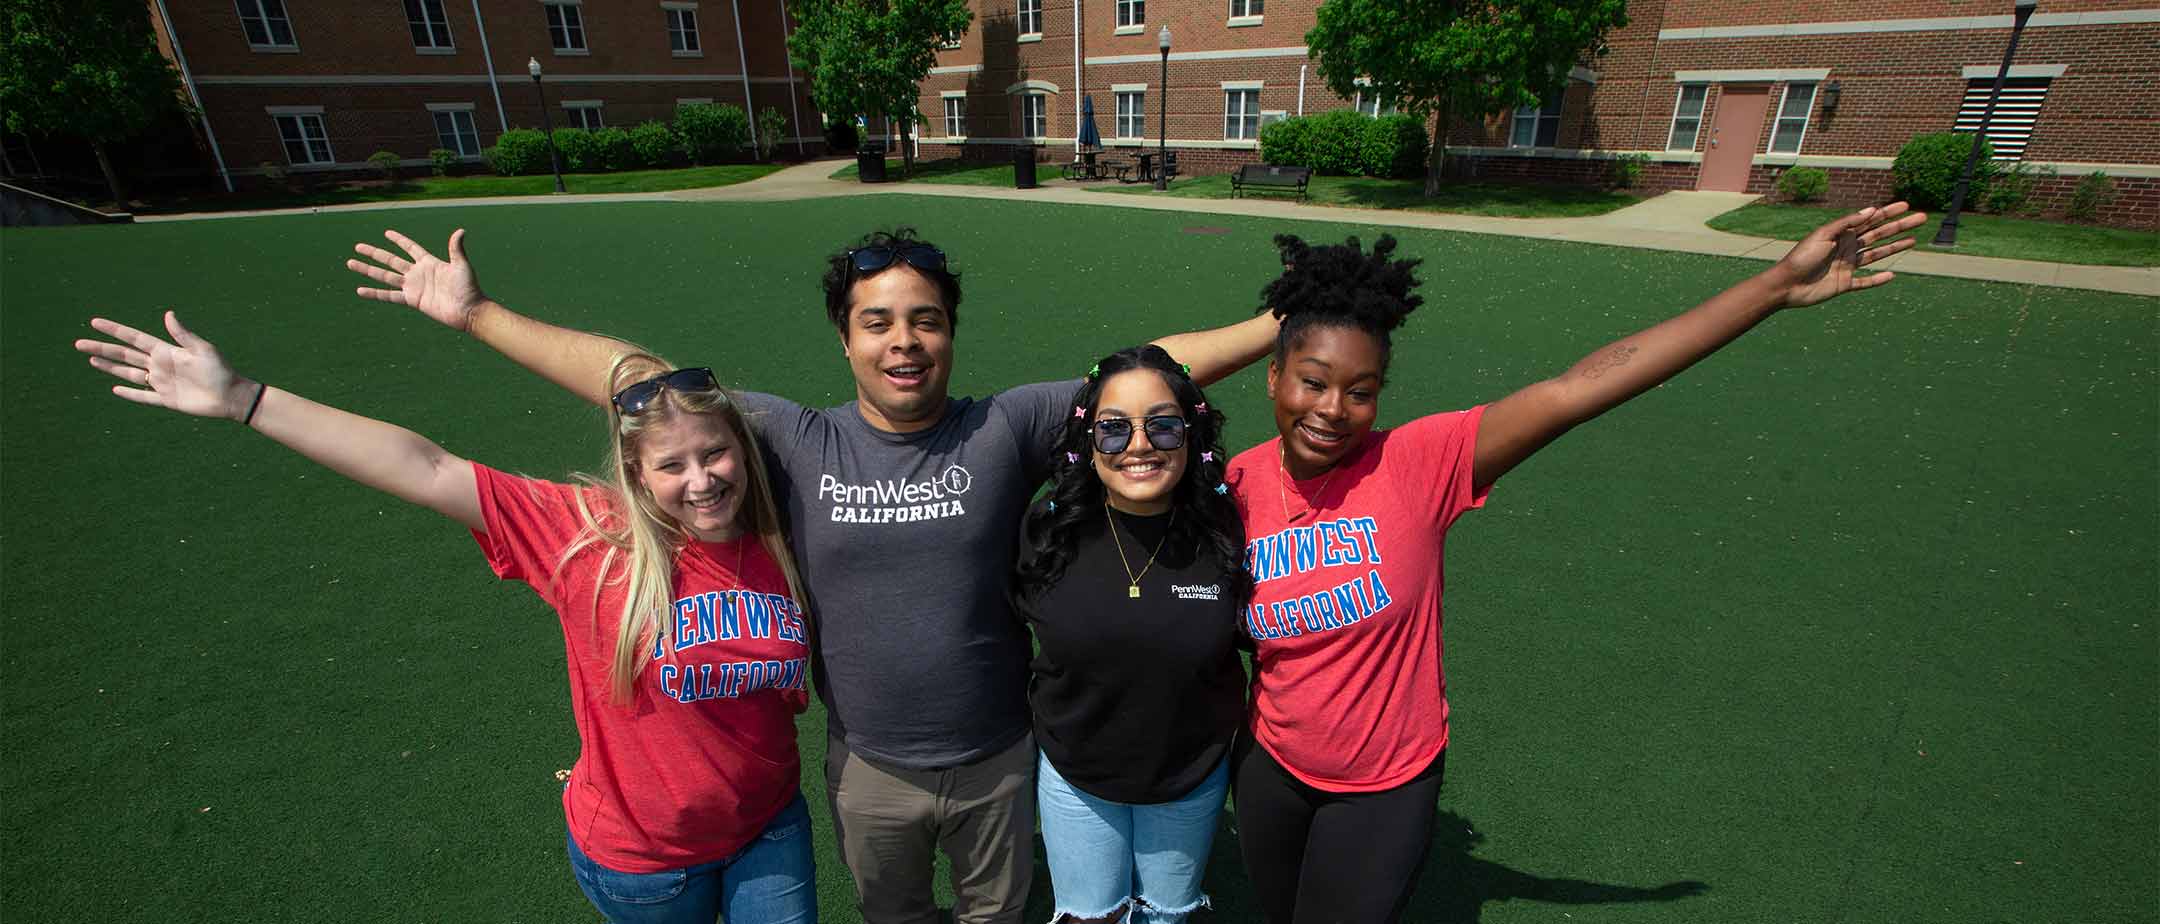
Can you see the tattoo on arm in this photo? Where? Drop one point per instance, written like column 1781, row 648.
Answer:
column 1612, row 359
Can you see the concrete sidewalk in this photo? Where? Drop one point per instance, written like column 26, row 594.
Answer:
column 1673, row 221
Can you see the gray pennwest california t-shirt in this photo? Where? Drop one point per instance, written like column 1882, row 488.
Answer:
column 905, row 542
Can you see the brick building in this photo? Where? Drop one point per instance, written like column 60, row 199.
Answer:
column 1719, row 94
column 320, row 86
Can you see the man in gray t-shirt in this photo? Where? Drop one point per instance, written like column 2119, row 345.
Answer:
column 903, row 508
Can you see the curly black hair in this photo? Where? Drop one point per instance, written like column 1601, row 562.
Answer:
column 1205, row 518
column 840, row 276
column 1340, row 285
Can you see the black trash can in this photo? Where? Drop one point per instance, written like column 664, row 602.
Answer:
column 1023, row 166
column 870, row 162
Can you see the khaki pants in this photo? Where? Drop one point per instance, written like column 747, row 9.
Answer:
column 890, row 822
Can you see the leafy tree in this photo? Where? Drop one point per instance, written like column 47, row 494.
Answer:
column 1440, row 60
column 84, row 67
column 870, row 56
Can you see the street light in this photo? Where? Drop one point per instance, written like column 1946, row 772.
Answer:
column 1946, row 236
column 1162, row 131
column 532, row 66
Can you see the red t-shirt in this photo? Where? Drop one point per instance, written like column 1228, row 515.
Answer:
column 703, row 756
column 1346, row 615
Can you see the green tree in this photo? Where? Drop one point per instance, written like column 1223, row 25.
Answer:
column 870, row 56
column 1440, row 60
column 83, row 67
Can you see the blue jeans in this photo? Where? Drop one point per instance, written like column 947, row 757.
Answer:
column 1139, row 863
column 772, row 880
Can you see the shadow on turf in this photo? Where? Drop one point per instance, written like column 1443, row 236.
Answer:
column 1454, row 888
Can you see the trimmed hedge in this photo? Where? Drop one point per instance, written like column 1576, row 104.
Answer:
column 612, row 150
column 518, row 152
column 656, row 145
column 1803, row 184
column 712, row 133
column 1345, row 142
column 1395, row 146
column 1927, row 168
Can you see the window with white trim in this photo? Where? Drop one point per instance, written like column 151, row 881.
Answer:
column 2016, row 112
column 1030, row 17
column 266, row 24
column 454, row 131
column 682, row 36
column 1537, row 126
column 430, row 26
column 1242, row 8
column 1241, row 114
column 1131, row 114
column 566, row 27
column 1687, row 117
column 304, row 138
column 1131, row 13
column 1369, row 103
column 583, row 114
column 1034, row 115
column 1792, row 118
column 956, row 117
column 951, row 41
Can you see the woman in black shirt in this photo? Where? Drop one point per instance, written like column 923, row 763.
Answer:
column 1132, row 576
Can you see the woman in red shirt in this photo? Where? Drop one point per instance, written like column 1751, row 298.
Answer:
column 678, row 602
column 1344, row 527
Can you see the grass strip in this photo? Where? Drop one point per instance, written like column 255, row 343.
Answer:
column 472, row 187
column 1978, row 235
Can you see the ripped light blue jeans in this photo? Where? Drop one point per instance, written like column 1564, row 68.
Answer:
column 1138, row 863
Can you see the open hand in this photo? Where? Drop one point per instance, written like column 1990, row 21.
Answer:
column 186, row 375
column 449, row 292
column 1822, row 265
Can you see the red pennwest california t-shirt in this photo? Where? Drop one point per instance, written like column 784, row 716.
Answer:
column 703, row 756
column 1349, row 695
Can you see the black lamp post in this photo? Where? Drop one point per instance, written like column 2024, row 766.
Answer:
column 1162, row 132
column 1946, row 236
column 532, row 66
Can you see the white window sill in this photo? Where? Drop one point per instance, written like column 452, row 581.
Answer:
column 956, row 139
column 315, row 166
column 1027, row 37
column 1237, row 21
column 1241, row 142
column 687, row 54
column 274, row 49
column 1131, row 30
column 572, row 52
column 430, row 50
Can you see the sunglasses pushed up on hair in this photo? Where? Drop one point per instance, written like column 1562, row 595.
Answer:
column 867, row 260
column 639, row 396
column 1112, row 434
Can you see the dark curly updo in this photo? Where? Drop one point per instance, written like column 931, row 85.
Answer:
column 1340, row 285
column 1205, row 518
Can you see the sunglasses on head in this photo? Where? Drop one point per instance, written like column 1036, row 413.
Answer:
column 1113, row 434
column 635, row 399
column 867, row 260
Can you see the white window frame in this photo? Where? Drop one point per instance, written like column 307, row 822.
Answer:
column 1136, row 119
column 566, row 10
column 429, row 26
column 682, row 29
column 469, row 128
column 1702, row 106
column 302, row 117
column 1537, row 117
column 1779, row 118
column 955, row 106
column 682, row 101
column 588, row 114
column 1132, row 15
column 1034, row 108
column 1029, row 13
column 1244, row 109
column 262, row 10
column 1247, row 12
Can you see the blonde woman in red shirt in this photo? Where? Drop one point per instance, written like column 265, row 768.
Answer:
column 1344, row 530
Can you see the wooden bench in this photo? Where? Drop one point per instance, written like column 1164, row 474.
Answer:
column 1264, row 176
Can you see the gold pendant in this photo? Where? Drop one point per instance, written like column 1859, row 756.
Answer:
column 1133, row 591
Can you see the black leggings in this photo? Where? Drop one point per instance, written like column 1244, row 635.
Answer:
column 1318, row 857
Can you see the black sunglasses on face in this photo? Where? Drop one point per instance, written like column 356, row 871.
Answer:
column 635, row 399
column 1113, row 434
column 867, row 260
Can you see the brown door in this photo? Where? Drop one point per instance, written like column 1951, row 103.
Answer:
column 1732, row 138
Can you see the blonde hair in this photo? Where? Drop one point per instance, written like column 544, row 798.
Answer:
column 641, row 539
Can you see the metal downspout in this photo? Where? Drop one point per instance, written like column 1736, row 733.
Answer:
column 502, row 118
column 794, row 91
column 216, row 154
column 742, row 58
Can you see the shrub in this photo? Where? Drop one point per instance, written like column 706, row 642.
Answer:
column 612, row 150
column 276, row 173
column 2010, row 193
column 655, row 145
column 1803, row 184
column 1394, row 146
column 579, row 153
column 1338, row 142
column 2093, row 192
column 1627, row 170
column 712, row 133
column 1287, row 143
column 771, row 127
column 385, row 164
column 519, row 152
column 1927, row 168
column 443, row 159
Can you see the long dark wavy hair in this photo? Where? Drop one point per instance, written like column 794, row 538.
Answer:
column 1341, row 285
column 1205, row 521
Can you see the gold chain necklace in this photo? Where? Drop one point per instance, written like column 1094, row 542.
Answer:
column 1132, row 588
column 1284, row 498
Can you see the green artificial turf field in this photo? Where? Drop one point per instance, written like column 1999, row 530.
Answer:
column 1855, row 622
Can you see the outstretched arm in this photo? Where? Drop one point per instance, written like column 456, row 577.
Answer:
column 1820, row 267
column 188, row 375
column 1215, row 354
column 449, row 292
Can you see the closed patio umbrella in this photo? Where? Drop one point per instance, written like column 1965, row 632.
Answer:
column 1090, row 139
